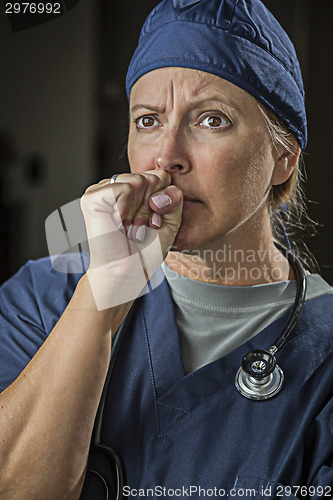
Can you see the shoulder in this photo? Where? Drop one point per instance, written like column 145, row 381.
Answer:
column 319, row 311
column 38, row 293
column 31, row 302
column 314, row 329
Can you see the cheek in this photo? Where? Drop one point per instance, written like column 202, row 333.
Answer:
column 241, row 177
column 250, row 164
column 140, row 158
column 260, row 170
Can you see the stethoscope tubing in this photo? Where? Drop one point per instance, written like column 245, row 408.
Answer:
column 298, row 302
column 96, row 444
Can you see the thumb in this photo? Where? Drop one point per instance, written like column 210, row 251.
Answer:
column 168, row 205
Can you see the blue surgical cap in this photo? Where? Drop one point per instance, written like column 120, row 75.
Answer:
column 238, row 40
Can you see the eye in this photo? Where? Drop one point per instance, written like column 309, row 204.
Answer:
column 214, row 121
column 147, row 121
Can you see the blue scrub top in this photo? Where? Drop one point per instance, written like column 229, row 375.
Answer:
column 185, row 432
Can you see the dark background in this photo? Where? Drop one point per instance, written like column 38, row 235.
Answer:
column 63, row 119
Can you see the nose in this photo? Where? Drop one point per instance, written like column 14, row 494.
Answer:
column 173, row 153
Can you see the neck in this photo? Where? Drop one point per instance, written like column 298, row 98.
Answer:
column 233, row 263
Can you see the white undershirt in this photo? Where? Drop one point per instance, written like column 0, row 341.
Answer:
column 213, row 320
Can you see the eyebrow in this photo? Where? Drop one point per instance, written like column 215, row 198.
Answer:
column 147, row 106
column 195, row 104
column 231, row 103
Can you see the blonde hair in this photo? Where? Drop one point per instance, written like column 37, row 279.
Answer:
column 286, row 201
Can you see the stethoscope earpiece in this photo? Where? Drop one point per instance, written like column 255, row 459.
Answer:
column 259, row 377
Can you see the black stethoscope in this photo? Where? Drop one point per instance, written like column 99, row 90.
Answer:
column 259, row 378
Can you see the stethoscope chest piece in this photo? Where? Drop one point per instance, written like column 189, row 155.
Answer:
column 259, row 377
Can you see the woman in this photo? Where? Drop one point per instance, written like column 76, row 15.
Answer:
column 209, row 164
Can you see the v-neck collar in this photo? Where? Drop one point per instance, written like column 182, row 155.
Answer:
column 163, row 338
column 178, row 394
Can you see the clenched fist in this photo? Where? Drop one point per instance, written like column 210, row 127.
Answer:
column 131, row 224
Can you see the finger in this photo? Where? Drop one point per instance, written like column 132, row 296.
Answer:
column 167, row 216
column 140, row 213
column 118, row 199
column 94, row 187
column 162, row 176
column 165, row 201
column 132, row 193
column 144, row 184
column 166, row 205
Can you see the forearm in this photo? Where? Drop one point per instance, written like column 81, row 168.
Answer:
column 47, row 414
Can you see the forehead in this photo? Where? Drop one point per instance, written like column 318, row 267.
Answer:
column 187, row 83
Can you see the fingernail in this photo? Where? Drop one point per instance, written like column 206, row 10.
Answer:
column 140, row 233
column 161, row 200
column 156, row 219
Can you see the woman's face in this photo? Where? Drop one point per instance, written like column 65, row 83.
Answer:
column 211, row 137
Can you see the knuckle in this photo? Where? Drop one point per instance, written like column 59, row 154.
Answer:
column 127, row 188
column 142, row 216
column 164, row 176
column 140, row 181
column 158, row 180
column 133, row 182
column 85, row 200
column 89, row 189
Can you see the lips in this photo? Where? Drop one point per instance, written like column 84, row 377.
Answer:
column 189, row 198
column 189, row 202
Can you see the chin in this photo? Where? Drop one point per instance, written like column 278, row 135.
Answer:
column 187, row 239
